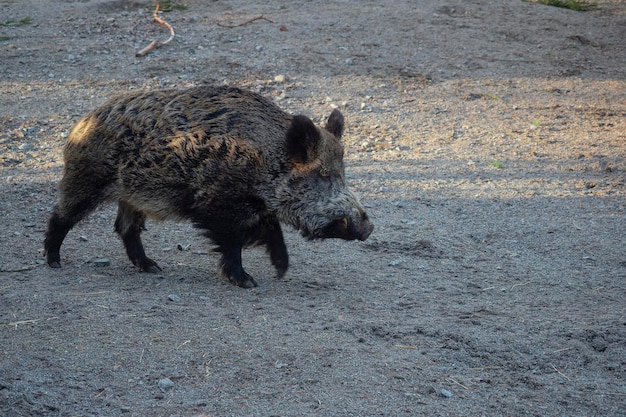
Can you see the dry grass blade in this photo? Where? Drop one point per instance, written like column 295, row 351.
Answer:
column 80, row 294
column 560, row 373
column 521, row 284
column 20, row 322
column 458, row 383
column 562, row 350
column 183, row 344
column 486, row 368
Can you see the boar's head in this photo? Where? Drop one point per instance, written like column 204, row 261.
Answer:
column 314, row 197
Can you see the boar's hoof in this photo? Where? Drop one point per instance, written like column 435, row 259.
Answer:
column 244, row 282
column 153, row 269
column 232, row 270
column 280, row 272
column 54, row 264
column 148, row 265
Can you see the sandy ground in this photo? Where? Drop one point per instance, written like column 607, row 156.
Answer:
column 486, row 139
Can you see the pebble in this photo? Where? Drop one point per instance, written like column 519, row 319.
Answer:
column 446, row 393
column 279, row 78
column 174, row 298
column 165, row 383
column 101, row 262
column 349, row 61
column 395, row 262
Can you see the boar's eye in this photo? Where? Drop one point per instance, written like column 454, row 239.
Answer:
column 324, row 175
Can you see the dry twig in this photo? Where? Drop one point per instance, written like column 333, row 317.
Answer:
column 20, row 269
column 260, row 17
column 155, row 44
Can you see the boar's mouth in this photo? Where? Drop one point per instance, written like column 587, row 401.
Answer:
column 341, row 228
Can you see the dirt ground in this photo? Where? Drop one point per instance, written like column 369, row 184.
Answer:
column 486, row 139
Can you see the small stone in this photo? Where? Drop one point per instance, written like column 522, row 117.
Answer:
column 279, row 78
column 183, row 247
column 71, row 57
column 165, row 383
column 395, row 262
column 280, row 365
column 259, row 48
column 83, row 238
column 174, row 298
column 446, row 393
column 349, row 61
column 101, row 262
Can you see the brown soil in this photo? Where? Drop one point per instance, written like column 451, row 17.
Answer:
column 487, row 140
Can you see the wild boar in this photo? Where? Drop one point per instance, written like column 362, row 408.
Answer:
column 228, row 160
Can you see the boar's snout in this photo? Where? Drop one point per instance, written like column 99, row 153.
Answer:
column 366, row 228
column 348, row 228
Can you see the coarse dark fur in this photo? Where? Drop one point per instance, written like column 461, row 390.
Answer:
column 229, row 160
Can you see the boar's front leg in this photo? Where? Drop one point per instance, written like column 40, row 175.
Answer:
column 267, row 232
column 272, row 237
column 129, row 224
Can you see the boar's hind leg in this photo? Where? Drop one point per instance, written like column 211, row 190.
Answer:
column 59, row 224
column 78, row 197
column 129, row 224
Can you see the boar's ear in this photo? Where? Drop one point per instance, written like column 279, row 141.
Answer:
column 335, row 123
column 303, row 139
